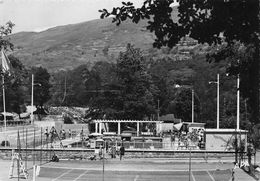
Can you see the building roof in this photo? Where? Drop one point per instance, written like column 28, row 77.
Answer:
column 194, row 123
column 170, row 118
column 224, row 130
column 123, row 121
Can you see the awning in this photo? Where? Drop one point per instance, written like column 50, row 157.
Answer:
column 177, row 126
column 7, row 114
column 25, row 115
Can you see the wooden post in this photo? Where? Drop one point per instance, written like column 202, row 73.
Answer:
column 96, row 127
column 190, row 167
column 118, row 128
column 138, row 127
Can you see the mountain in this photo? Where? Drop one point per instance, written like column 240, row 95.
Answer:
column 66, row 47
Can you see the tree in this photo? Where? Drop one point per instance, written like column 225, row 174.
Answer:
column 182, row 105
column 137, row 88
column 59, row 88
column 15, row 91
column 69, row 87
column 130, row 94
column 41, row 86
column 214, row 22
column 98, row 82
column 159, row 71
column 14, row 85
column 76, row 90
column 4, row 32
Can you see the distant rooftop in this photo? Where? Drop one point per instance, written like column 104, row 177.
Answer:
column 170, row 118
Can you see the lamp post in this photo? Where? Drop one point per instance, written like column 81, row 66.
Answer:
column 238, row 102
column 32, row 119
column 238, row 117
column 217, row 82
column 192, row 99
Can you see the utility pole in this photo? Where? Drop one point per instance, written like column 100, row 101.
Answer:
column 218, row 101
column 238, row 102
column 217, row 82
column 32, row 121
column 190, row 165
column 238, row 116
column 192, row 105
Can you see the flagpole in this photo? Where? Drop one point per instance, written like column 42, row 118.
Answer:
column 3, row 83
column 5, row 68
column 32, row 120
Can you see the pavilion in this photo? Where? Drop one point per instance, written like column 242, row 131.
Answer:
column 99, row 124
column 164, row 121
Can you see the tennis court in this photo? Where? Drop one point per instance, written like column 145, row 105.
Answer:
column 129, row 170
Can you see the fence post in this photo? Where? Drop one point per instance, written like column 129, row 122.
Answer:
column 41, row 148
column 47, row 143
column 34, row 146
column 103, row 161
column 26, row 148
column 23, row 134
column 34, row 172
column 190, row 166
column 18, row 157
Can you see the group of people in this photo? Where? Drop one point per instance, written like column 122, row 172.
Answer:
column 63, row 134
column 53, row 134
column 112, row 151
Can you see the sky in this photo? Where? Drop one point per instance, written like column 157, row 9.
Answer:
column 39, row 15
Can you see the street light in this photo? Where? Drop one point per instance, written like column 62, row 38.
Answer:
column 238, row 115
column 192, row 99
column 217, row 82
column 238, row 102
column 32, row 120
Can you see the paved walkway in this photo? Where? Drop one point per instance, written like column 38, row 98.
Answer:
column 241, row 175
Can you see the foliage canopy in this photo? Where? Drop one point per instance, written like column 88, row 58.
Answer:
column 214, row 22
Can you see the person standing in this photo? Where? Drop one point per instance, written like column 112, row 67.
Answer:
column 52, row 133
column 82, row 135
column 100, row 152
column 60, row 134
column 63, row 134
column 122, row 151
column 113, row 150
column 46, row 133
column 69, row 133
